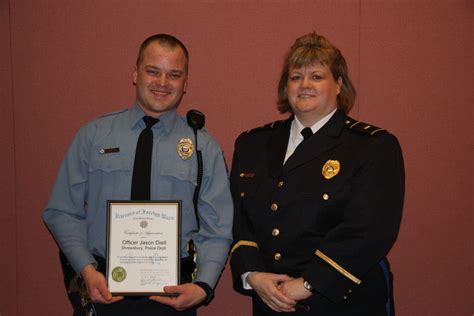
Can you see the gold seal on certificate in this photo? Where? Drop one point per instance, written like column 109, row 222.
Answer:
column 119, row 274
column 143, row 246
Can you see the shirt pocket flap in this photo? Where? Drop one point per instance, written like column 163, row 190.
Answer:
column 110, row 162
column 183, row 170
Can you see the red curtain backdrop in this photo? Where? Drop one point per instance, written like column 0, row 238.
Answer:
column 65, row 62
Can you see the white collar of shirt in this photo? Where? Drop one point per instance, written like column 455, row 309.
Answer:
column 295, row 133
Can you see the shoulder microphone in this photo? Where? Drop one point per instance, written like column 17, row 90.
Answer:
column 196, row 119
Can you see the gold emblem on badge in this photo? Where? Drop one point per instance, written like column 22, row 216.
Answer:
column 119, row 274
column 331, row 168
column 185, row 148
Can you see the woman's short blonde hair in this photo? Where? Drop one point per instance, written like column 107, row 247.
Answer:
column 306, row 50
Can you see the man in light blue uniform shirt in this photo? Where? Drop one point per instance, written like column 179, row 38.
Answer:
column 99, row 165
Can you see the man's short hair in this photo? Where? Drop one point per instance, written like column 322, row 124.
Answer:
column 164, row 40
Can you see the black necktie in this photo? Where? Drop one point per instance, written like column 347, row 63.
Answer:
column 142, row 166
column 307, row 133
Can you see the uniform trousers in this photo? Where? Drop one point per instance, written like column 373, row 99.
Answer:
column 143, row 306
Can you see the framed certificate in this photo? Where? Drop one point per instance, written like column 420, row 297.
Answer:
column 143, row 246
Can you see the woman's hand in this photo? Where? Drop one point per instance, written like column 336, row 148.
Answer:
column 266, row 286
column 294, row 289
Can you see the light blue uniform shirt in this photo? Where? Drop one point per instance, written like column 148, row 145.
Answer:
column 87, row 178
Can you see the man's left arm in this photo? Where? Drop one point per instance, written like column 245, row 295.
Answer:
column 212, row 241
column 215, row 216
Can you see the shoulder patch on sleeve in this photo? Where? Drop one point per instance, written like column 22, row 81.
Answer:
column 265, row 127
column 362, row 127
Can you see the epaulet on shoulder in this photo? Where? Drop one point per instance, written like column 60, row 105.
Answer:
column 112, row 113
column 362, row 127
column 266, row 127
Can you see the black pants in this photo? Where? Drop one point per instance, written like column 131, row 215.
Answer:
column 132, row 305
column 142, row 305
column 259, row 308
column 139, row 306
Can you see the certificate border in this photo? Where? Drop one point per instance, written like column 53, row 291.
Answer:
column 110, row 203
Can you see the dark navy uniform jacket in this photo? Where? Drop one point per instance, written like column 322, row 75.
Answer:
column 330, row 214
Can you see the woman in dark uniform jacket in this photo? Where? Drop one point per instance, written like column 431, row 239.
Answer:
column 316, row 215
